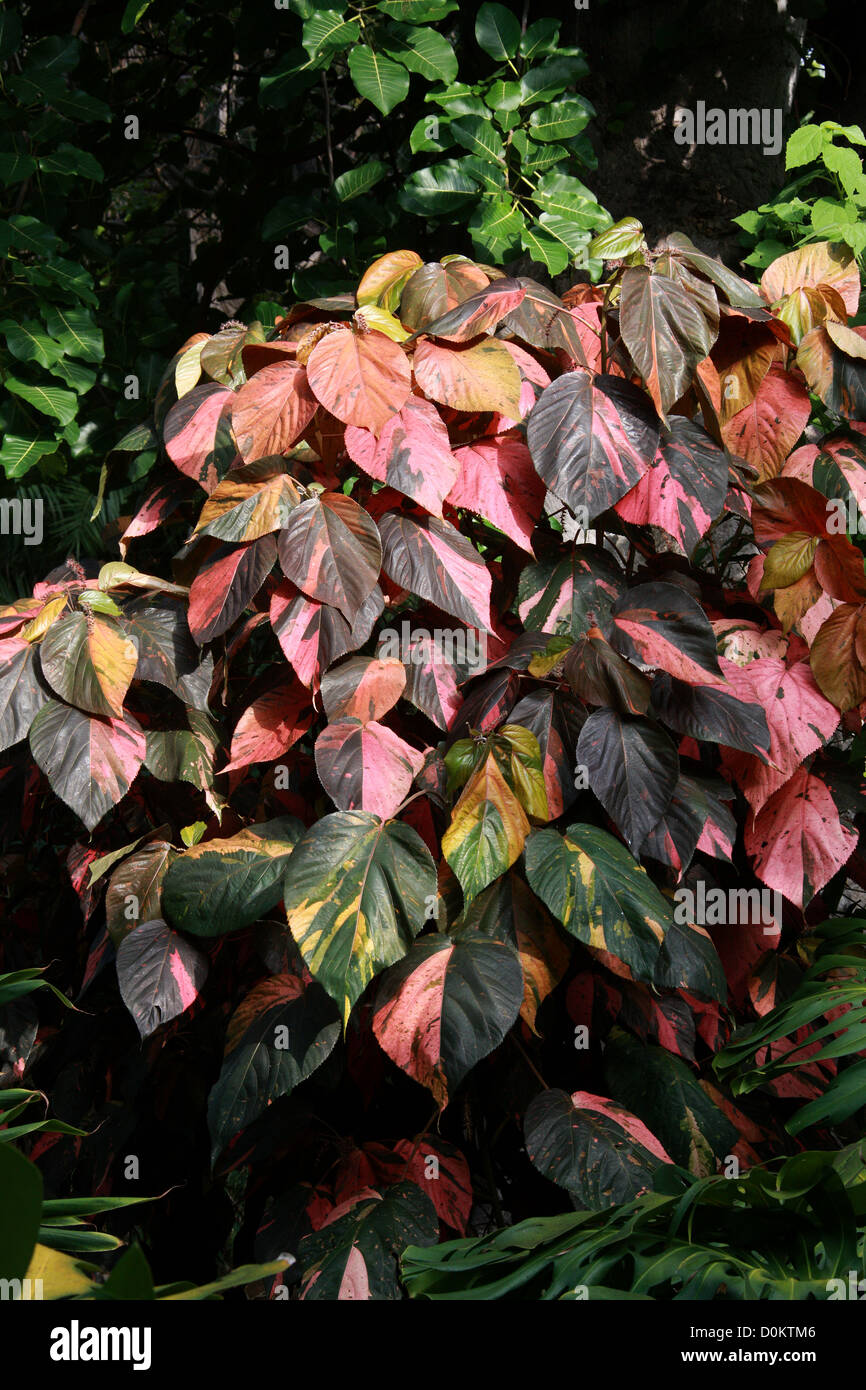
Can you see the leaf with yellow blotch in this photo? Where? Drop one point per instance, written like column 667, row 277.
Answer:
column 482, row 376
column 487, row 831
column 90, row 662
column 221, row 885
column 38, row 626
column 250, row 502
column 603, row 897
column 382, row 283
column 356, row 892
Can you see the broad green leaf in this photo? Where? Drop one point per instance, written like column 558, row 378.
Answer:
column 479, row 136
column 497, row 226
column 70, row 161
column 618, row 241
column 18, row 454
column 327, row 31
column 497, row 31
column 503, row 96
column 29, row 342
column 134, row 12
column 359, row 180
column 379, row 79
column 540, row 38
column 547, row 249
column 76, row 333
column 14, row 168
column 548, row 79
column 803, row 146
column 440, row 189
column 418, row 11
column 80, row 378
column 221, row 885
column 49, row 400
column 355, row 893
column 424, row 51
column 430, row 135
column 561, row 121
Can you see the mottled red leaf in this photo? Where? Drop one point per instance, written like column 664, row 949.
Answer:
column 271, row 724
column 272, row 410
column 498, row 482
column 331, row 549
column 366, row 767
column 412, row 454
column 797, row 840
column 226, row 584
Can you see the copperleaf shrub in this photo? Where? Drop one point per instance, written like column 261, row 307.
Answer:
column 504, row 701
